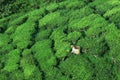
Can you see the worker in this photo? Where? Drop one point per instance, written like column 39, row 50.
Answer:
column 75, row 49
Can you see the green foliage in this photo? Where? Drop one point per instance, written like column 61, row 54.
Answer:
column 74, row 4
column 36, row 12
column 5, row 47
column 114, row 15
column 58, row 34
column 16, row 75
column 84, row 22
column 22, row 35
column 102, row 66
column 74, row 36
column 45, row 57
column 80, row 13
column 48, row 19
column 54, row 73
column 3, row 77
column 62, row 49
column 43, row 35
column 59, row 41
column 28, row 68
column 112, row 12
column 28, row 65
column 4, row 39
column 113, row 41
column 52, row 7
column 13, row 58
column 18, row 21
column 36, row 38
column 75, row 67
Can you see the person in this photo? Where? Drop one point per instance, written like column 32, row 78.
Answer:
column 75, row 49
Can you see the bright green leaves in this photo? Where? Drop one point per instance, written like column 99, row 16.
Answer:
column 93, row 45
column 116, row 71
column 101, row 6
column 27, row 63
column 20, row 20
column 73, row 36
column 101, row 67
column 62, row 49
column 112, row 11
column 54, row 73
column 36, row 45
column 94, row 34
column 113, row 40
column 27, row 66
column 4, row 39
column 46, row 44
column 15, row 20
column 13, row 60
column 84, row 22
column 22, row 35
column 71, row 5
column 49, row 20
column 114, row 15
column 75, row 4
column 58, row 34
column 5, row 47
column 79, row 13
column 75, row 66
column 89, row 23
column 43, row 35
column 61, row 46
column 44, row 54
column 52, row 7
column 52, row 20
column 36, row 13
column 104, row 6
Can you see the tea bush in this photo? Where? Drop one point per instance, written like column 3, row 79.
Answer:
column 36, row 38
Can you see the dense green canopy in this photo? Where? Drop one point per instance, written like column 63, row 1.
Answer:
column 36, row 35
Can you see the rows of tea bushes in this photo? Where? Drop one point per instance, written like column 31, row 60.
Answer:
column 35, row 39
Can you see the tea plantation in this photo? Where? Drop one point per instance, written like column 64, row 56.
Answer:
column 36, row 35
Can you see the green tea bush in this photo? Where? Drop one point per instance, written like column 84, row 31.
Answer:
column 28, row 66
column 36, row 38
column 75, row 68
column 54, row 73
column 98, row 5
column 5, row 47
column 43, row 35
column 113, row 15
column 75, row 4
column 4, row 39
column 48, row 19
column 101, row 66
column 73, row 36
column 13, row 59
column 57, row 34
column 84, row 22
column 18, row 21
column 3, row 25
column 71, row 5
column 45, row 57
column 52, row 7
column 111, row 37
column 22, row 35
column 80, row 13
column 60, row 50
